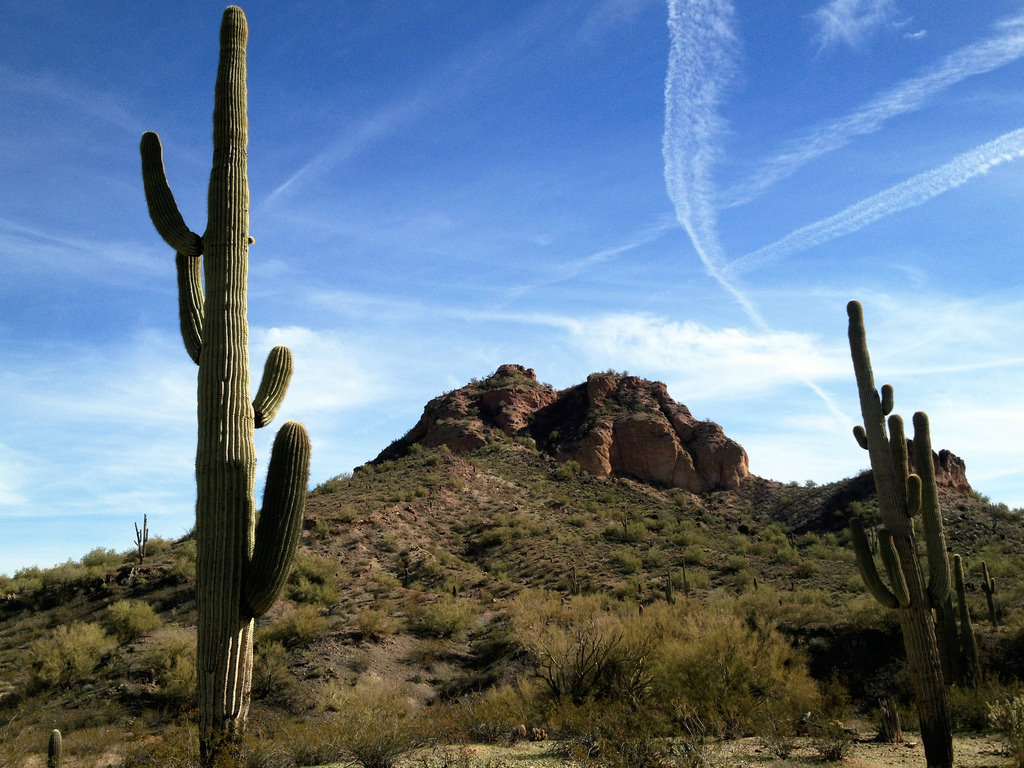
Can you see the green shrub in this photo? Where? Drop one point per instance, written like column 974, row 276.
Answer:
column 184, row 566
column 69, row 654
column 172, row 657
column 100, row 561
column 448, row 617
column 271, row 678
column 969, row 705
column 1007, row 717
column 720, row 668
column 378, row 727
column 587, row 649
column 832, row 742
column 374, row 624
column 627, row 560
column 488, row 717
column 614, row 735
column 131, row 619
column 314, row 580
column 567, row 470
column 305, row 591
column 300, row 626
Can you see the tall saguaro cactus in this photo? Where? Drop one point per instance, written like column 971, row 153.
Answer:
column 240, row 567
column 901, row 496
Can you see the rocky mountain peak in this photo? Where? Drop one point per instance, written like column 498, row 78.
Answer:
column 612, row 425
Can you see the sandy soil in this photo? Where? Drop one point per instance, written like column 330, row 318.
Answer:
column 969, row 752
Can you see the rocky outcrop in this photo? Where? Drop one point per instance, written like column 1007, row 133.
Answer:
column 950, row 469
column 613, row 425
column 632, row 427
column 465, row 418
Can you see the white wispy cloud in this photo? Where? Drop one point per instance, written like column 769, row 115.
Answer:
column 1005, row 46
column 572, row 268
column 356, row 139
column 31, row 249
column 607, row 15
column 331, row 374
column 457, row 78
column 912, row 192
column 733, row 362
column 850, row 21
column 102, row 106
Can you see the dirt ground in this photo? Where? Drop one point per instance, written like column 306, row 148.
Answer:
column 969, row 752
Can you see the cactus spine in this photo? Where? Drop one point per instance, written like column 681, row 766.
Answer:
column 902, row 495
column 988, row 586
column 54, row 749
column 240, row 568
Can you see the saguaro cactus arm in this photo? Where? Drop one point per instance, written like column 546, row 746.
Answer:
column 277, row 373
column 893, row 567
column 931, row 515
column 190, row 302
column 162, row 208
column 967, row 639
column 866, row 566
column 277, row 533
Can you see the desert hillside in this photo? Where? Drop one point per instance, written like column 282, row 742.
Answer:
column 460, row 574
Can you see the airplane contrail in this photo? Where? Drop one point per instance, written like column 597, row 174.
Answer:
column 911, row 94
column 700, row 67
column 907, row 194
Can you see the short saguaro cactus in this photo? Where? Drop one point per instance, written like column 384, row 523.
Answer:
column 240, row 568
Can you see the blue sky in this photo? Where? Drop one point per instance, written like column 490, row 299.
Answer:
column 690, row 191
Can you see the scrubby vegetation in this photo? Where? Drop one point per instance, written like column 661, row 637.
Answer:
column 508, row 602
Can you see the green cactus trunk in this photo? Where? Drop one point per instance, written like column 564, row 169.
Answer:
column 969, row 643
column 239, row 569
column 988, row 586
column 901, row 496
column 54, row 749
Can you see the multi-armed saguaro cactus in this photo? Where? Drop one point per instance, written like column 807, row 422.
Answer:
column 902, row 495
column 240, row 568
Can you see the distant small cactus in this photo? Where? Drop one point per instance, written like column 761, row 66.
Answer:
column 54, row 749
column 967, row 639
column 988, row 586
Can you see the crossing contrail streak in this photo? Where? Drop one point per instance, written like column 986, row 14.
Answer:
column 914, row 191
column 911, row 94
column 700, row 67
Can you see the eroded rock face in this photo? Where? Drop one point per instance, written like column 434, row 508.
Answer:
column 512, row 406
column 612, row 425
column 950, row 469
column 634, row 428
